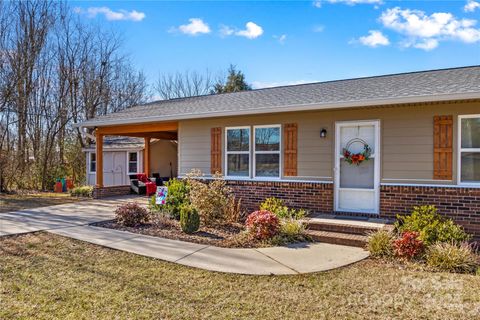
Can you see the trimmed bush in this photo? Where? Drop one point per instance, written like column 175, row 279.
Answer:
column 83, row 191
column 291, row 230
column 278, row 207
column 409, row 245
column 431, row 226
column 380, row 244
column 452, row 257
column 131, row 214
column 177, row 197
column 262, row 224
column 189, row 219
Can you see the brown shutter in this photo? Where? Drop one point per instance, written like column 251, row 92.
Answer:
column 290, row 149
column 216, row 151
column 442, row 147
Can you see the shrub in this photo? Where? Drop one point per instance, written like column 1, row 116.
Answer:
column 452, row 257
column 262, row 224
column 380, row 243
column 409, row 245
column 431, row 226
column 177, row 197
column 278, row 207
column 83, row 191
column 131, row 214
column 211, row 199
column 189, row 219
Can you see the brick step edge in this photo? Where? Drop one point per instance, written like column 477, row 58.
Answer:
column 340, row 228
column 353, row 240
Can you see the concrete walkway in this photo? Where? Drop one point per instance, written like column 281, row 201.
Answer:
column 72, row 220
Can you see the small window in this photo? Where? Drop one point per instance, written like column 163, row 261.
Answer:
column 470, row 149
column 267, row 151
column 238, row 152
column 93, row 162
column 132, row 162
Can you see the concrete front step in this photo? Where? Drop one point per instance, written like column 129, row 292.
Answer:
column 346, row 239
column 341, row 227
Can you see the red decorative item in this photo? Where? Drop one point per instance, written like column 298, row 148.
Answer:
column 58, row 187
column 151, row 187
column 408, row 246
column 263, row 224
column 357, row 158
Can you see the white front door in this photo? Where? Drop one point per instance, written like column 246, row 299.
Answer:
column 114, row 168
column 357, row 186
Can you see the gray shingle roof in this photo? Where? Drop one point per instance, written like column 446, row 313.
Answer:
column 434, row 85
column 120, row 142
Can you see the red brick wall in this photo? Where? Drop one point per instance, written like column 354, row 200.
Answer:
column 315, row 197
column 460, row 204
column 110, row 191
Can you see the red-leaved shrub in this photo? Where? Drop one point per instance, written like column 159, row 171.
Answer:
column 408, row 245
column 262, row 224
column 131, row 214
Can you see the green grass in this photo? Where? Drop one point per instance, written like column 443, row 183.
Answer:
column 47, row 276
column 14, row 202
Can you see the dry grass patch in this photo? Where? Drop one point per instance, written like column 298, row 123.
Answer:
column 46, row 276
column 14, row 202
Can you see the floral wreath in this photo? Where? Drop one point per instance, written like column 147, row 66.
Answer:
column 357, row 158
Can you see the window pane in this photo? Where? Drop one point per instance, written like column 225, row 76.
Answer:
column 237, row 165
column 470, row 167
column 93, row 166
column 93, row 156
column 238, row 139
column 132, row 156
column 361, row 176
column 471, row 133
column 267, row 165
column 132, row 167
column 267, row 139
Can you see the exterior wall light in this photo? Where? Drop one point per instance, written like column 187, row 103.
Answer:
column 323, row 133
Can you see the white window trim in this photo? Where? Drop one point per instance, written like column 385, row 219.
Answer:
column 90, row 163
column 128, row 162
column 460, row 150
column 279, row 152
column 239, row 152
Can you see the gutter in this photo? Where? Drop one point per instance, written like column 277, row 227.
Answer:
column 288, row 108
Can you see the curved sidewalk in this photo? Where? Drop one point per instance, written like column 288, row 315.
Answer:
column 73, row 221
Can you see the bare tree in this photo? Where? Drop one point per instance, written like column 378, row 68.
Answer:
column 184, row 84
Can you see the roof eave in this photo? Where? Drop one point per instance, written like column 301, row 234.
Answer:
column 288, row 108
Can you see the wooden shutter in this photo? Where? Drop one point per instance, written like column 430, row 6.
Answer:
column 442, row 147
column 290, row 149
column 216, row 151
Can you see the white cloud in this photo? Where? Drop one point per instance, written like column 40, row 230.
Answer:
column 195, row 27
column 111, row 15
column 262, row 84
column 374, row 39
column 281, row 38
column 318, row 3
column 471, row 6
column 252, row 31
column 226, row 31
column 426, row 31
column 318, row 28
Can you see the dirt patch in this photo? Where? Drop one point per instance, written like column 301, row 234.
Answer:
column 28, row 200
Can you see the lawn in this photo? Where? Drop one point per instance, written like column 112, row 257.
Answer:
column 47, row 276
column 13, row 202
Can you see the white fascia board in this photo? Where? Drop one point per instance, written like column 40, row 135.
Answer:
column 288, row 108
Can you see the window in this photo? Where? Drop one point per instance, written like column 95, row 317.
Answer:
column 93, row 162
column 132, row 162
column 469, row 155
column 238, row 152
column 267, row 151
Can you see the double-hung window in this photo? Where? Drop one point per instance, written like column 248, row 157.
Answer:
column 238, row 151
column 132, row 162
column 469, row 155
column 93, row 162
column 267, row 151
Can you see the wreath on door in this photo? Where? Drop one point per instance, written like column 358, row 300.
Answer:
column 357, row 158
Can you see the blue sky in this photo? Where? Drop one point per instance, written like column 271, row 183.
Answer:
column 287, row 42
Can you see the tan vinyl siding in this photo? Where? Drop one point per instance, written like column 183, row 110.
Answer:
column 406, row 139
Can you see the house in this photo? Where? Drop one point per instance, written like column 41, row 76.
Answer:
column 417, row 133
column 123, row 156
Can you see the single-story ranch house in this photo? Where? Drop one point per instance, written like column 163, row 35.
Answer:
column 372, row 146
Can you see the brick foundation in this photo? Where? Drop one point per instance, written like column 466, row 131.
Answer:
column 105, row 192
column 460, row 204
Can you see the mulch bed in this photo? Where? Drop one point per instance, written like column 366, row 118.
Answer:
column 230, row 235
